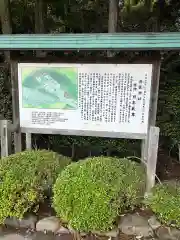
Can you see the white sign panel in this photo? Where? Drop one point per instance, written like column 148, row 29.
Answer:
column 85, row 97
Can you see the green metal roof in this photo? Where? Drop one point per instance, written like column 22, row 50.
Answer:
column 121, row 41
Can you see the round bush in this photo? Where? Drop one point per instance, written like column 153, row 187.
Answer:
column 90, row 194
column 165, row 203
column 24, row 178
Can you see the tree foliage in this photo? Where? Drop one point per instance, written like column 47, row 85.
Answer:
column 169, row 98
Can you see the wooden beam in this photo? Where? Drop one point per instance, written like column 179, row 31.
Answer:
column 84, row 133
column 92, row 41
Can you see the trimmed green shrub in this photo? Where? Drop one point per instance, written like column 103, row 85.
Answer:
column 165, row 203
column 90, row 194
column 24, row 178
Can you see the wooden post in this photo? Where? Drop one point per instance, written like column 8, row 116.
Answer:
column 5, row 138
column 15, row 107
column 153, row 105
column 73, row 151
column 144, row 149
column 155, row 92
column 28, row 141
column 152, row 157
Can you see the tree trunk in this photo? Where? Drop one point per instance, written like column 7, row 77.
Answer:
column 40, row 16
column 113, row 16
column 6, row 24
column 113, row 19
column 40, row 13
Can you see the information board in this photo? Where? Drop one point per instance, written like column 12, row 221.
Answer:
column 86, row 97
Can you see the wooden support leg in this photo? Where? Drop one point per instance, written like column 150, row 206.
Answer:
column 28, row 141
column 144, row 150
column 153, row 141
column 5, row 138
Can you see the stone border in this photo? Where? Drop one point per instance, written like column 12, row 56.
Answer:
column 130, row 224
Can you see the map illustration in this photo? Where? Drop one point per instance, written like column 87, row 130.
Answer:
column 50, row 87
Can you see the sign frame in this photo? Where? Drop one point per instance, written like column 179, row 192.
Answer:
column 88, row 132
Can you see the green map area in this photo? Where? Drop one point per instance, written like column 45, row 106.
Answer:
column 50, row 87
